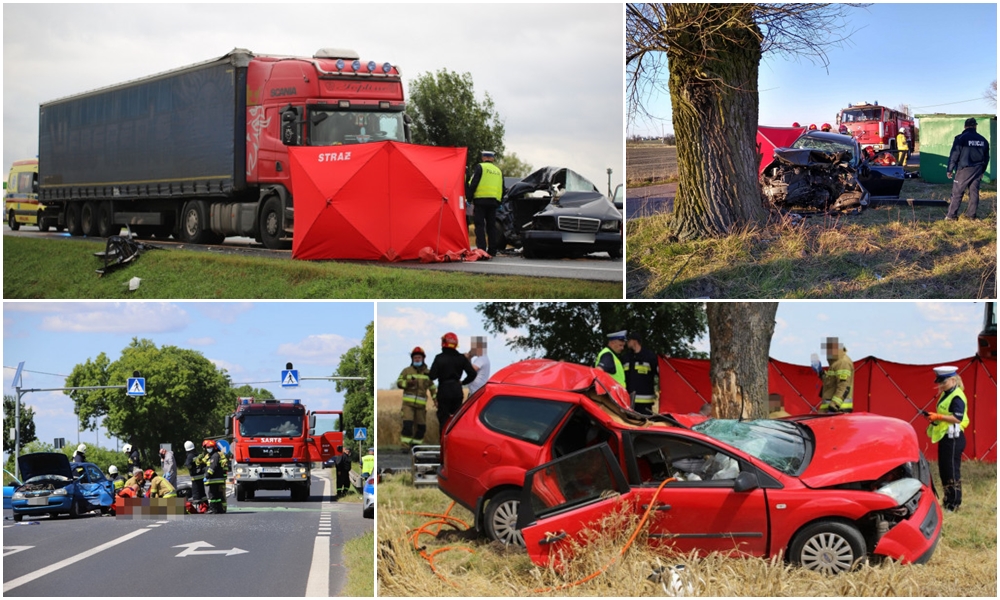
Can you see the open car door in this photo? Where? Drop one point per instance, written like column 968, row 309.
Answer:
column 327, row 440
column 562, row 498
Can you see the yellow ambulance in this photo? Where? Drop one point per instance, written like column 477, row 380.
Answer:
column 20, row 197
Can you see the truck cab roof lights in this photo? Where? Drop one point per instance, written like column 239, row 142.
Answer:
column 336, row 53
column 245, row 400
column 371, row 66
column 386, row 67
column 356, row 66
column 340, row 64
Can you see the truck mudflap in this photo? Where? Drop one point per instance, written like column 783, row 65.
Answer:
column 424, row 463
column 914, row 540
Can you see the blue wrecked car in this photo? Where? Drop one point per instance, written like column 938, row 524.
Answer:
column 10, row 483
column 52, row 486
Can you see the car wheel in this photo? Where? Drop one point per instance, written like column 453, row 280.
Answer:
column 530, row 251
column 501, row 518
column 615, row 252
column 73, row 219
column 828, row 547
column 369, row 513
column 18, row 517
column 88, row 219
column 12, row 222
column 74, row 510
column 43, row 225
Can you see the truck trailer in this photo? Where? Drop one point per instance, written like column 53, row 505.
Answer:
column 200, row 152
column 275, row 443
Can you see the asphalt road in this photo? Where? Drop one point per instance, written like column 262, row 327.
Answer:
column 594, row 267
column 269, row 546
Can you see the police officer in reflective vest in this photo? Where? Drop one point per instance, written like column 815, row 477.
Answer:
column 608, row 358
column 215, row 477
column 970, row 155
column 947, row 430
column 838, row 381
column 485, row 187
column 415, row 383
column 640, row 374
column 368, row 463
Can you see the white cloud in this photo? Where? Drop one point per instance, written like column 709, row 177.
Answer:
column 202, row 341
column 938, row 312
column 822, row 317
column 412, row 320
column 223, row 312
column 231, row 367
column 321, row 349
column 126, row 317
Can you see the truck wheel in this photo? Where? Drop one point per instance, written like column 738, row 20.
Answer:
column 241, row 493
column 12, row 222
column 88, row 219
column 73, row 219
column 301, row 493
column 272, row 224
column 194, row 223
column 250, row 493
column 105, row 220
column 43, row 225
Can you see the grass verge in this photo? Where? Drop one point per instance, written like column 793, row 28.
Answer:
column 359, row 559
column 62, row 268
column 887, row 252
column 964, row 563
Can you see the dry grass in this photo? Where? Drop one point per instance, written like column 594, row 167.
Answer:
column 888, row 252
column 964, row 564
column 389, row 422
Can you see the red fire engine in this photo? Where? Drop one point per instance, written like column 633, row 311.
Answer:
column 988, row 337
column 874, row 126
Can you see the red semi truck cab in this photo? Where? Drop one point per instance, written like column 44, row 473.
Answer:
column 988, row 336
column 275, row 443
column 875, row 126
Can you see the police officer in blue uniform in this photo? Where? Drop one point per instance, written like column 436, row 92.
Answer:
column 641, row 370
column 970, row 155
column 485, row 188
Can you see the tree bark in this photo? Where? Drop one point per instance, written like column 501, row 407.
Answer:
column 740, row 339
column 713, row 58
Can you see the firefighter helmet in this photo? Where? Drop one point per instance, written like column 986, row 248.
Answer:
column 417, row 350
column 189, row 445
column 796, row 124
column 127, row 448
column 812, row 127
column 208, row 444
column 449, row 340
column 826, row 127
column 113, row 470
column 149, row 474
column 81, row 448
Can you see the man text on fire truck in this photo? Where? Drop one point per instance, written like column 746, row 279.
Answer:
column 970, row 154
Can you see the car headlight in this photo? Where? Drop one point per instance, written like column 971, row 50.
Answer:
column 901, row 490
column 59, row 492
column 18, row 496
column 610, row 225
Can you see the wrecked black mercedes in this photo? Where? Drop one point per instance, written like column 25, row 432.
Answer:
column 557, row 212
column 825, row 172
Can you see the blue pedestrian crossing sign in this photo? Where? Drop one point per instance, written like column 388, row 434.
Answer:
column 289, row 378
column 136, row 386
column 360, row 433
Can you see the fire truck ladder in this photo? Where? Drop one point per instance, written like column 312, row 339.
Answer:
column 424, row 463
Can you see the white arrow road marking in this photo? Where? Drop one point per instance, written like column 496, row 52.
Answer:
column 318, row 584
column 192, row 550
column 13, row 583
column 8, row 550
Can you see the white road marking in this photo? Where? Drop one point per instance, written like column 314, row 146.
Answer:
column 8, row 550
column 14, row 583
column 318, row 584
column 192, row 550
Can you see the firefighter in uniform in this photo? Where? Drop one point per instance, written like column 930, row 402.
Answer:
column 215, row 477
column 117, row 480
column 640, row 366
column 134, row 483
column 947, row 429
column 196, row 469
column 447, row 370
column 485, row 187
column 608, row 358
column 133, row 457
column 838, row 380
column 970, row 155
column 159, row 487
column 902, row 146
column 415, row 383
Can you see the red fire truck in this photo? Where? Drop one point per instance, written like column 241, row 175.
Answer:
column 274, row 444
column 988, row 337
column 200, row 152
column 874, row 126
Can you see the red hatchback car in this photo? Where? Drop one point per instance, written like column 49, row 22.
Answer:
column 546, row 449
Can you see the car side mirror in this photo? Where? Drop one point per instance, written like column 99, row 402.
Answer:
column 745, row 482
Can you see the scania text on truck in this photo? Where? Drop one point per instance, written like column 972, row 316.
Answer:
column 275, row 443
column 874, row 126
column 200, row 152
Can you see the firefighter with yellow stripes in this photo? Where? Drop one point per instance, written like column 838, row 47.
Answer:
column 415, row 383
column 838, row 380
column 215, row 477
column 159, row 487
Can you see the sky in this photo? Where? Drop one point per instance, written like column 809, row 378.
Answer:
column 251, row 340
column 905, row 332
column 554, row 72
column 933, row 57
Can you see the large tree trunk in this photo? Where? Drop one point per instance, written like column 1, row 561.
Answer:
column 740, row 338
column 714, row 57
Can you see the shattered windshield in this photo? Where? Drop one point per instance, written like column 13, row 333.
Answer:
column 339, row 127
column 273, row 425
column 781, row 444
column 825, row 146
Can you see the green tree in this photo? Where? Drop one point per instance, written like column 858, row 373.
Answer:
column 511, row 165
column 359, row 396
column 246, row 391
column 445, row 112
column 186, row 397
column 711, row 55
column 27, row 423
column 576, row 331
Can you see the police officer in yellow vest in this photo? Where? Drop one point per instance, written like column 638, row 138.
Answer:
column 838, row 381
column 947, row 429
column 608, row 358
column 485, row 187
column 415, row 383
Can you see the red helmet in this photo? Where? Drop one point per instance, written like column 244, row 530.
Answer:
column 149, row 474
column 826, row 127
column 812, row 127
column 796, row 124
column 208, row 444
column 417, row 350
column 449, row 340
